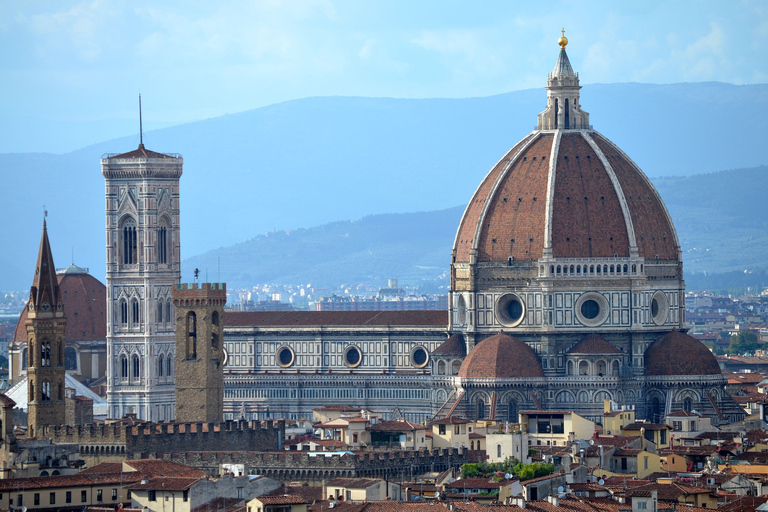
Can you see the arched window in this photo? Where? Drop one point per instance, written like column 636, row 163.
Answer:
column 123, row 313
column 441, row 368
column 615, row 368
column 557, row 112
column 215, row 330
column 512, row 411
column 45, row 354
column 354, row 437
column 168, row 312
column 123, row 367
column 191, row 335
column 162, row 243
column 600, row 368
column 626, row 268
column 160, row 367
column 455, row 366
column 25, row 354
column 135, row 313
column 498, row 451
column 567, row 114
column 480, row 409
column 129, row 243
column 655, row 411
column 570, row 368
column 583, row 368
column 136, row 367
column 70, row 358
column 160, row 311
column 168, row 366
column 687, row 404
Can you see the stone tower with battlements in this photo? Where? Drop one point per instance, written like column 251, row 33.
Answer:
column 143, row 266
column 45, row 337
column 199, row 351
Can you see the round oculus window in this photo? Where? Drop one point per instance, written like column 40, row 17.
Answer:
column 510, row 310
column 353, row 357
column 285, row 356
column 592, row 309
column 419, row 357
column 659, row 308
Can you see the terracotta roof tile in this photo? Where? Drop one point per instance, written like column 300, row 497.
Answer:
column 501, row 356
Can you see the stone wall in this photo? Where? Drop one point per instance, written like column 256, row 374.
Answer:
column 316, row 467
column 129, row 442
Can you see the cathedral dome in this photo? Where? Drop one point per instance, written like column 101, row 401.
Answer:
column 503, row 357
column 85, row 305
column 677, row 353
column 565, row 191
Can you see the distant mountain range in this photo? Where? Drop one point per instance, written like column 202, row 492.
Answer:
column 721, row 219
column 313, row 161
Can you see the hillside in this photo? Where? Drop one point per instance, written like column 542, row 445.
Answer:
column 313, row 161
column 720, row 232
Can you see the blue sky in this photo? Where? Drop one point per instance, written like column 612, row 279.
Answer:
column 71, row 71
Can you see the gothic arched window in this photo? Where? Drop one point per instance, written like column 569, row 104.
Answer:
column 160, row 311
column 123, row 367
column 45, row 353
column 168, row 312
column 160, row 363
column 512, row 411
column 123, row 313
column 134, row 313
column 168, row 367
column 136, row 367
column 687, row 404
column 480, row 409
column 128, row 245
column 162, row 243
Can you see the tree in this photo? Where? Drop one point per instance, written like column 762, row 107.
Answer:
column 743, row 342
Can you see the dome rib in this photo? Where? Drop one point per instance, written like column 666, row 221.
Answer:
column 551, row 192
column 634, row 182
column 619, row 192
column 527, row 143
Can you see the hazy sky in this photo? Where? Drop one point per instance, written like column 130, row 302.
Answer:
column 71, row 71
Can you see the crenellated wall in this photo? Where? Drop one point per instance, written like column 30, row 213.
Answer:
column 314, row 467
column 133, row 441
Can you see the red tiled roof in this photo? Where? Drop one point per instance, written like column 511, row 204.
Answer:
column 166, row 483
column 284, row 499
column 593, row 344
column 345, row 318
column 453, row 346
column 663, row 356
column 501, row 356
column 354, row 483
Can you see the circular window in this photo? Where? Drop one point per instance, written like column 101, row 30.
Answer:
column 284, row 356
column 353, row 357
column 510, row 310
column 592, row 309
column 419, row 357
column 659, row 308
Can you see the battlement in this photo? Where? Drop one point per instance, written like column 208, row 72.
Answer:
column 200, row 294
column 163, row 437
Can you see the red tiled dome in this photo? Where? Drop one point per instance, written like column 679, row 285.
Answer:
column 593, row 201
column 85, row 306
column 501, row 356
column 677, row 353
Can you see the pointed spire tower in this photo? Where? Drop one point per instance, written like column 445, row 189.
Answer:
column 45, row 341
column 563, row 108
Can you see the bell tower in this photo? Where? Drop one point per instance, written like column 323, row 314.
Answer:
column 45, row 340
column 199, row 351
column 143, row 266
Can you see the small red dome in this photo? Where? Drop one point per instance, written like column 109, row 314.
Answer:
column 501, row 356
column 594, row 344
column 677, row 353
